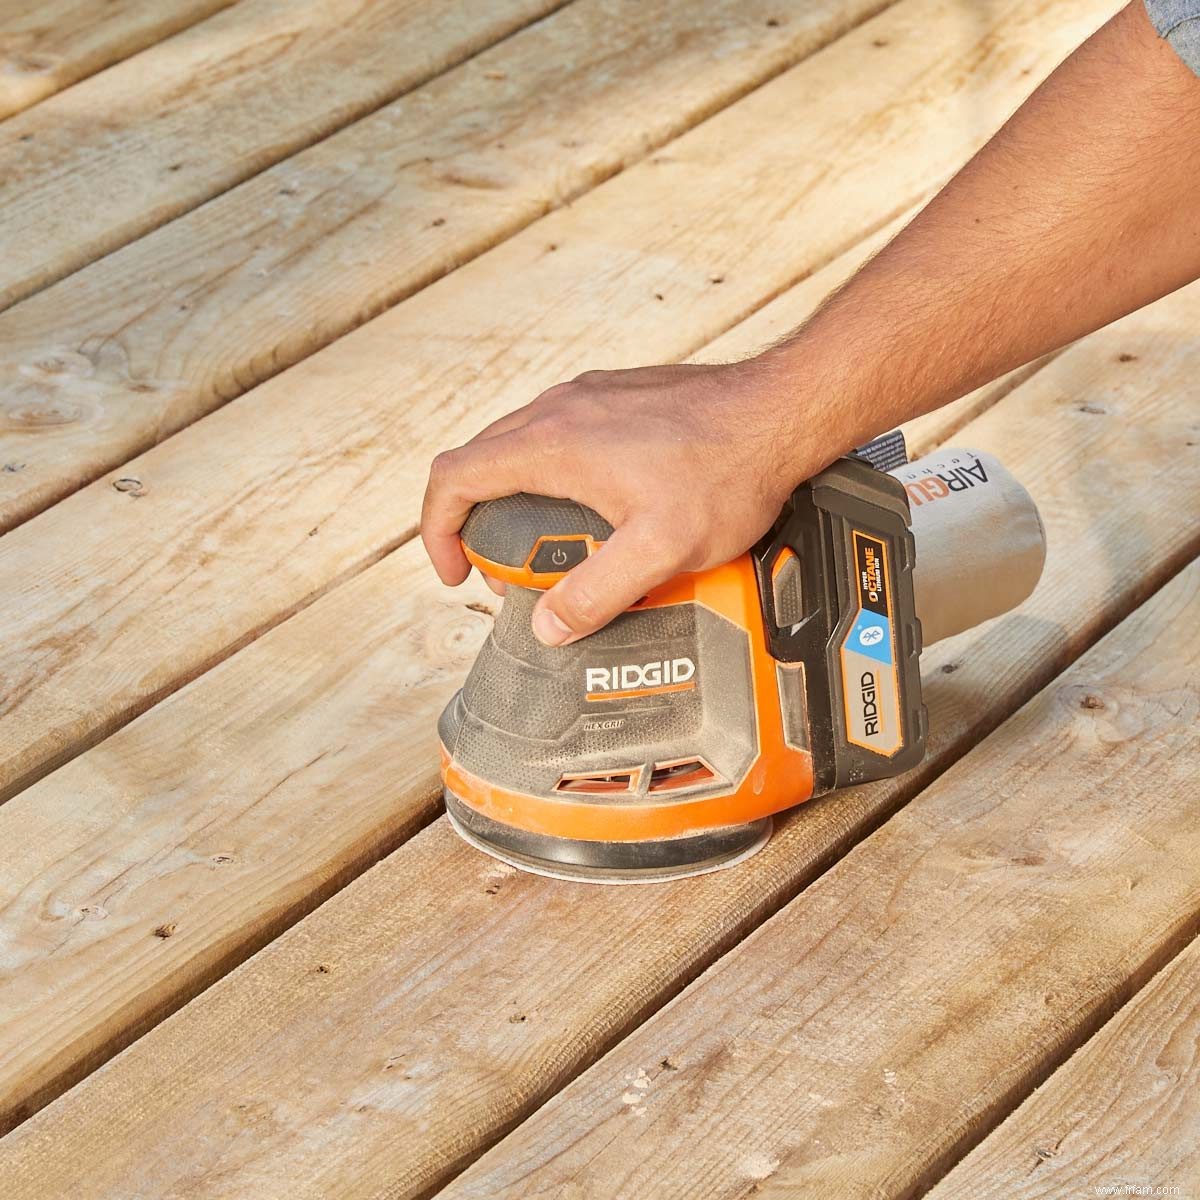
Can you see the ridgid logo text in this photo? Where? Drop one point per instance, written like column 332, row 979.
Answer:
column 668, row 674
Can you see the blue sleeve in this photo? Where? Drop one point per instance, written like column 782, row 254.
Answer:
column 1179, row 22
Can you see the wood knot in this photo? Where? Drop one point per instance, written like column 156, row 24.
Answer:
column 949, row 668
column 1091, row 701
column 42, row 414
column 1125, row 356
column 165, row 930
column 30, row 64
column 1094, row 409
column 130, row 486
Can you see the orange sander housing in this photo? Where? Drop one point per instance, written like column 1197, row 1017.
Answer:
column 663, row 744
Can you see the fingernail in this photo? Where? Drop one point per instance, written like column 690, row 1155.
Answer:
column 548, row 629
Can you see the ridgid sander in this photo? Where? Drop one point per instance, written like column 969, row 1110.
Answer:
column 663, row 744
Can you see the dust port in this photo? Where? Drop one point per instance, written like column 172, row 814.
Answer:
column 601, row 783
column 686, row 772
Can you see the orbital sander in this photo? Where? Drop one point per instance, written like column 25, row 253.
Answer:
column 663, row 744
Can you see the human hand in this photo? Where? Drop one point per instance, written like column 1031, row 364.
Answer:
column 689, row 464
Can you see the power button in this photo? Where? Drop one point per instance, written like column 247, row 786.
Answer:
column 558, row 554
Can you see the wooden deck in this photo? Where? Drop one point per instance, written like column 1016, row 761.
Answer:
column 259, row 261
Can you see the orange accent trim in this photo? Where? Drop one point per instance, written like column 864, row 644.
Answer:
column 784, row 556
column 779, row 778
column 632, row 693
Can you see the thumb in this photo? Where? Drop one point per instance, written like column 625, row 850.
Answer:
column 601, row 587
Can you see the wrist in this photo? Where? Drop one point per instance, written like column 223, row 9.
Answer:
column 817, row 411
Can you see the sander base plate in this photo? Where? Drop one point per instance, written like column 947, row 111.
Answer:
column 607, row 862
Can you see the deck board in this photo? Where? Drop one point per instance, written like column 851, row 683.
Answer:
column 460, row 996
column 47, row 45
column 119, row 154
column 125, row 591
column 132, row 348
column 865, row 1037
column 1125, row 1109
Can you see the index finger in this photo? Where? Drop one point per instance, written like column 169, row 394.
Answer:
column 459, row 479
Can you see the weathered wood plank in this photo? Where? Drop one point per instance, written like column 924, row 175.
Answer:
column 128, row 589
column 1124, row 1110
column 46, row 45
column 119, row 154
column 871, row 1032
column 132, row 348
column 459, row 996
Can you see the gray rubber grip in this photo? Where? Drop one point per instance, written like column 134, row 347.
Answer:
column 505, row 531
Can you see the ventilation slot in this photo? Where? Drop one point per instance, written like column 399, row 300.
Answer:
column 599, row 784
column 687, row 772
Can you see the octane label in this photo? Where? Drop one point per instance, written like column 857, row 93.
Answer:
column 868, row 653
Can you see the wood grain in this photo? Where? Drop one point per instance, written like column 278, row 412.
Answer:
column 134, row 585
column 882, row 1023
column 47, row 45
column 1124, row 1110
column 123, row 152
column 118, row 356
column 460, row 997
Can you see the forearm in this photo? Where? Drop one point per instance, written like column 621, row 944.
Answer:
column 1084, row 207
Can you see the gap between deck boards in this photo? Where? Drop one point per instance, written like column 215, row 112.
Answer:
column 62, row 46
